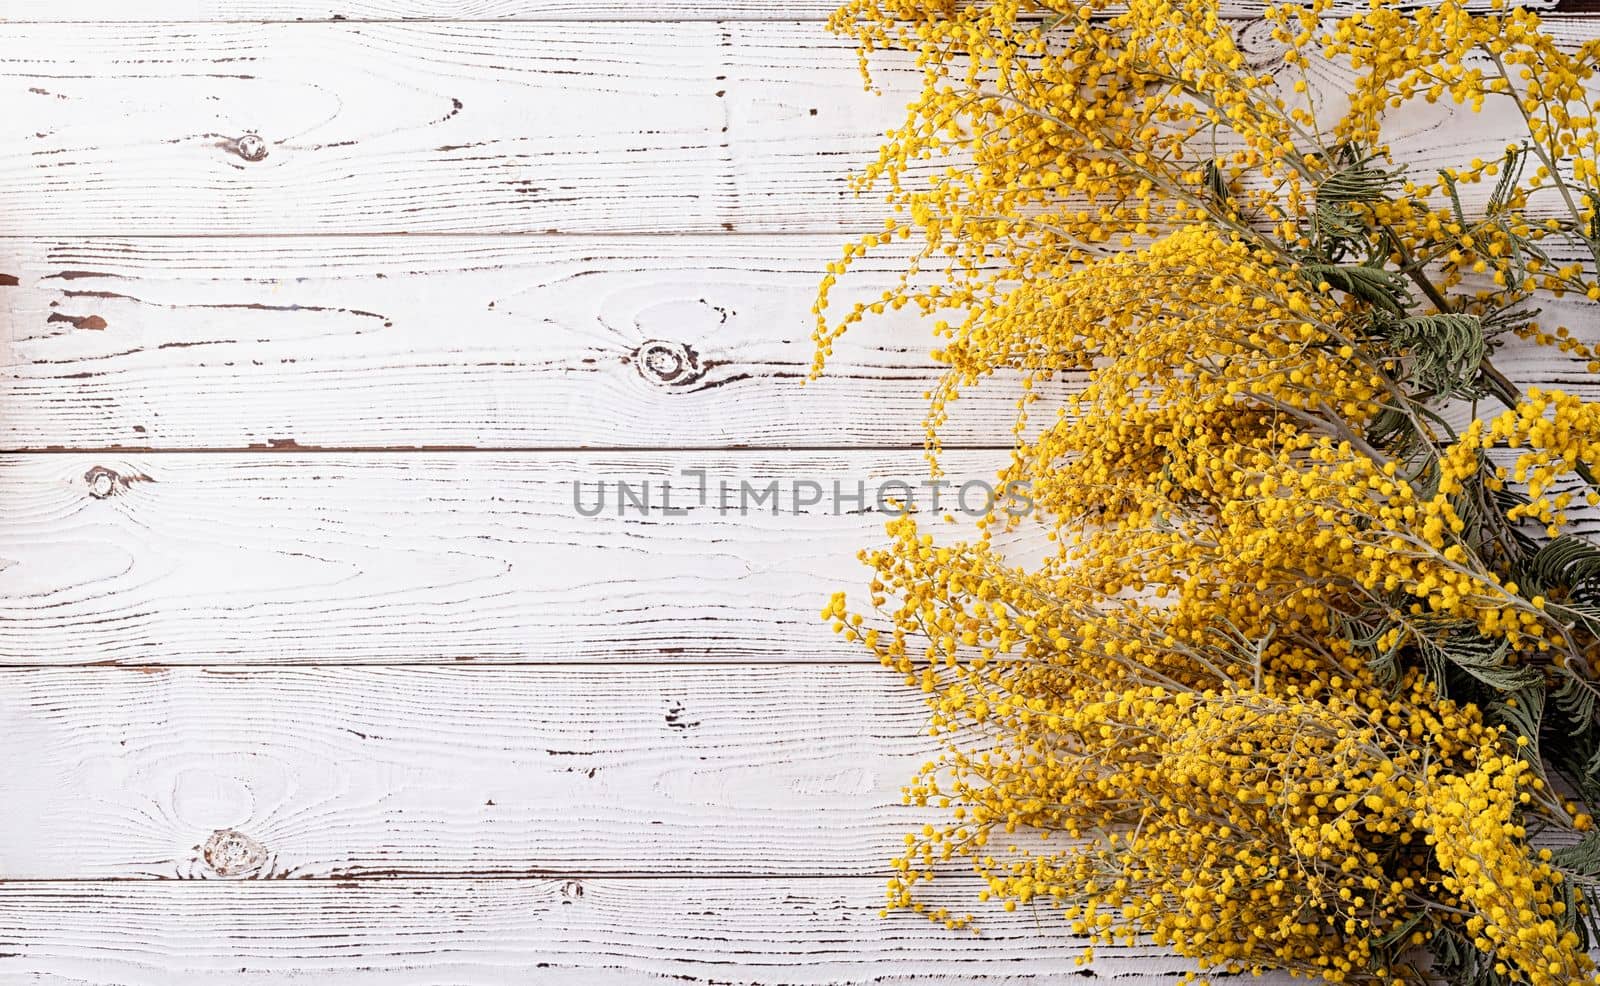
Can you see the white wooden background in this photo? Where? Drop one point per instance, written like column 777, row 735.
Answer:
column 312, row 671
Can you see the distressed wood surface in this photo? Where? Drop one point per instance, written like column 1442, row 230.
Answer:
column 258, row 558
column 458, row 127
column 772, row 932
column 341, row 772
column 485, row 127
column 486, row 342
column 533, row 10
column 489, row 342
column 406, row 718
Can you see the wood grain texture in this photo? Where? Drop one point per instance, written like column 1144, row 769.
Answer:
column 341, row 772
column 487, row 342
column 486, row 127
column 762, row 932
column 538, row 342
column 533, row 10
column 264, row 557
column 708, row 824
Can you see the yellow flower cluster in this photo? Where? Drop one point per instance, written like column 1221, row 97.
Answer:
column 1514, row 899
column 1285, row 692
column 1446, row 52
column 1560, row 432
column 1252, row 801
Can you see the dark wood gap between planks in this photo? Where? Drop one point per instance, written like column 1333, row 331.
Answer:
column 409, row 876
column 497, row 664
column 558, row 19
column 461, row 233
column 594, row 450
column 555, row 19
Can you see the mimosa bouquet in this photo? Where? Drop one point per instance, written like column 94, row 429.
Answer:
column 1307, row 679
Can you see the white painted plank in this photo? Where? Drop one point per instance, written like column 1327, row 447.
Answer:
column 533, row 10
column 263, row 557
column 485, row 342
column 761, row 932
column 488, row 127
column 536, row 342
column 641, row 770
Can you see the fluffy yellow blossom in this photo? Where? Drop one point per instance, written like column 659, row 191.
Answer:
column 1309, row 661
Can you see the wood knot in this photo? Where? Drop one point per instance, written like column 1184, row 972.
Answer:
column 232, row 853
column 1261, row 50
column 667, row 364
column 102, row 482
column 572, row 890
column 677, row 717
column 251, row 147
